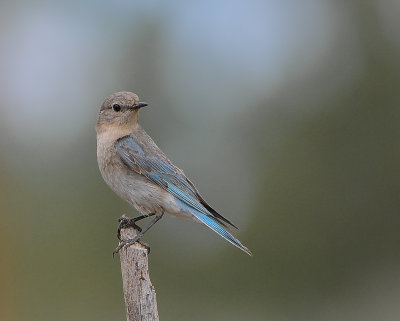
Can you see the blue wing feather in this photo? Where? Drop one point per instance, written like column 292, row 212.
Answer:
column 158, row 171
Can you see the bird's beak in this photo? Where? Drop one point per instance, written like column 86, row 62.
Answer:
column 138, row 105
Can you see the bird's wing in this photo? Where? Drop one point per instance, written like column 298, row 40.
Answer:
column 165, row 175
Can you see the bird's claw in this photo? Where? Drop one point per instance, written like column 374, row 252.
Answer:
column 125, row 222
column 126, row 243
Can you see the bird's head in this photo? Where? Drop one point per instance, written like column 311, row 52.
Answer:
column 119, row 110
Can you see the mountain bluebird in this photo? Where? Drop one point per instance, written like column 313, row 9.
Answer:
column 141, row 174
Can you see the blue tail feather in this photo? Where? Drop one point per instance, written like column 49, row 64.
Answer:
column 209, row 222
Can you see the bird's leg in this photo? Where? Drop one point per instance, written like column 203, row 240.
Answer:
column 137, row 237
column 125, row 222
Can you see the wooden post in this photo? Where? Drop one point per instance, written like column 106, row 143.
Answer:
column 139, row 293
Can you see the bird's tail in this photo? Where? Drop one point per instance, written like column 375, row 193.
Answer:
column 220, row 230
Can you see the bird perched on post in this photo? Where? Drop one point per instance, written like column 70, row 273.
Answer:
column 141, row 174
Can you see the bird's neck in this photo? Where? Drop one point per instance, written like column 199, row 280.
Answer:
column 113, row 132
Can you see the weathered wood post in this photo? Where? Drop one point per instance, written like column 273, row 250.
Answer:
column 139, row 293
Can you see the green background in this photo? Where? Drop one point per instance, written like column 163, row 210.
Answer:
column 284, row 114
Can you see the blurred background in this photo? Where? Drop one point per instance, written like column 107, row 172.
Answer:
column 286, row 116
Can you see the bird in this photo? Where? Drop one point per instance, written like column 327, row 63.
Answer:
column 136, row 169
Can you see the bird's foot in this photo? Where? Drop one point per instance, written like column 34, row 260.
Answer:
column 125, row 222
column 130, row 222
column 126, row 243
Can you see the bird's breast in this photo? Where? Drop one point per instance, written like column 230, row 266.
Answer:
column 134, row 188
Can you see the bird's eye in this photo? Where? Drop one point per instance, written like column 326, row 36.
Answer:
column 116, row 107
